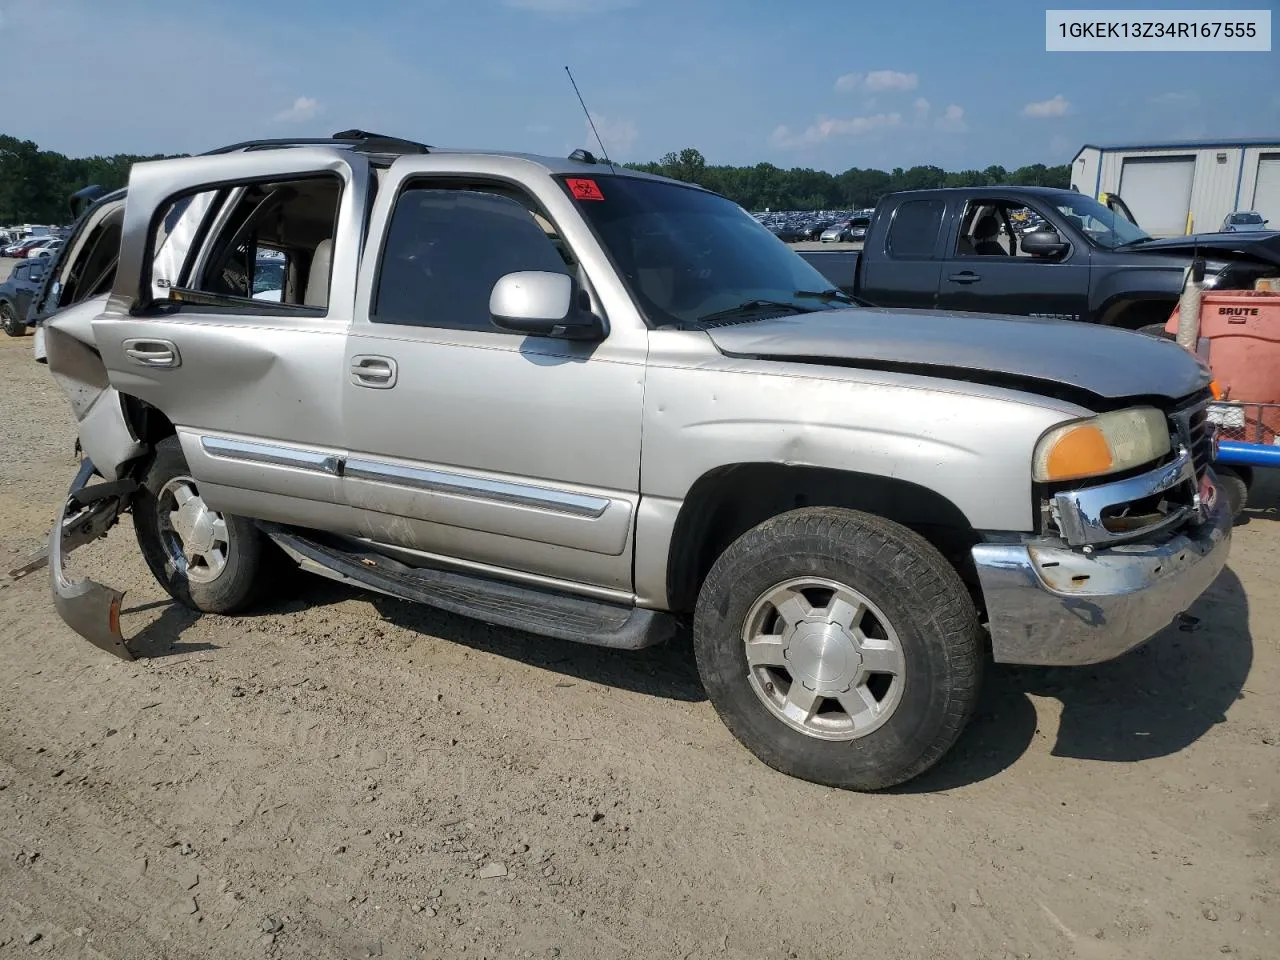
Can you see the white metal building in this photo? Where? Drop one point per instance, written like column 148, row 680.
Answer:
column 1187, row 187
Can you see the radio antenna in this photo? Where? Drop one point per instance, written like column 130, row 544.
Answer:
column 590, row 122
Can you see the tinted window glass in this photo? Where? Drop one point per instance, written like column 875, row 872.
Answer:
column 915, row 228
column 445, row 250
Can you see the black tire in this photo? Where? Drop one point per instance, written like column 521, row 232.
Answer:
column 1235, row 488
column 13, row 326
column 241, row 578
column 1156, row 330
column 918, row 591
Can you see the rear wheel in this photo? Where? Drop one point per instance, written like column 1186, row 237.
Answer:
column 9, row 320
column 206, row 560
column 839, row 648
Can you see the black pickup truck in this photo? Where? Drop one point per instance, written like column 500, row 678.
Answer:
column 1033, row 251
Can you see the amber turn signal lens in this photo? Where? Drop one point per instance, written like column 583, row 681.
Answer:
column 1215, row 389
column 1079, row 452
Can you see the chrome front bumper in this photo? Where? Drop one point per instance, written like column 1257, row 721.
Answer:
column 1055, row 606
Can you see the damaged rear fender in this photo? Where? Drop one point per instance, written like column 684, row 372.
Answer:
column 77, row 367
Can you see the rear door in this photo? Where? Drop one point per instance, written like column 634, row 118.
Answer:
column 252, row 386
column 899, row 266
column 990, row 273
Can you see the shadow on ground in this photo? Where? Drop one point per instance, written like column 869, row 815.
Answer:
column 1151, row 702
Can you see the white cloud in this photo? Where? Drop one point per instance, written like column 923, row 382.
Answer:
column 827, row 127
column 571, row 8
column 877, row 81
column 1176, row 99
column 952, row 119
column 891, row 80
column 618, row 133
column 1055, row 107
column 922, row 108
column 304, row 108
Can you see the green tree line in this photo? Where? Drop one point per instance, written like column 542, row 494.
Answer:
column 800, row 188
column 35, row 184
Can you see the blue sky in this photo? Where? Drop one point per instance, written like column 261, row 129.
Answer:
column 819, row 83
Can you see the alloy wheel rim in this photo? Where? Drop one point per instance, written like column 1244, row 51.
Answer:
column 823, row 658
column 195, row 538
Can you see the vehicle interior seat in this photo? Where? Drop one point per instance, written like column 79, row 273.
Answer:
column 317, row 293
column 986, row 234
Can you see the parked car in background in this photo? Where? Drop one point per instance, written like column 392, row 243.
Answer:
column 958, row 249
column 813, row 229
column 1243, row 221
column 16, row 294
column 41, row 246
column 843, row 231
column 46, row 249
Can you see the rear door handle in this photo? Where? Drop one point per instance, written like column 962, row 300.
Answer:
column 968, row 276
column 152, row 353
column 370, row 371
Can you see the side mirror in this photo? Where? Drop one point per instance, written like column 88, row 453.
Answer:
column 543, row 304
column 1043, row 243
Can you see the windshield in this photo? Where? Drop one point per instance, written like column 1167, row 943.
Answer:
column 1104, row 227
column 1246, row 218
column 686, row 254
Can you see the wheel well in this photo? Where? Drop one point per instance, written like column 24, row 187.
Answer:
column 147, row 424
column 728, row 501
column 1140, row 313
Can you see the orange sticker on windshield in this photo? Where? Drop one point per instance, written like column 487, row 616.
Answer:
column 584, row 189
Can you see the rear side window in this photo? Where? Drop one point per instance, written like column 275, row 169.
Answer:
column 447, row 247
column 914, row 232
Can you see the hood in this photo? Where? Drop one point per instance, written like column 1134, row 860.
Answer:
column 1261, row 245
column 1056, row 357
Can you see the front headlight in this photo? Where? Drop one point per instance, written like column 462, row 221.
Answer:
column 1108, row 443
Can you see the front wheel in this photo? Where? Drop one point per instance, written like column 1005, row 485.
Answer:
column 206, row 560
column 839, row 648
column 13, row 326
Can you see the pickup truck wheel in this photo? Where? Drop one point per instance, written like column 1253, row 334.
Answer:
column 10, row 322
column 839, row 648
column 1235, row 488
column 206, row 560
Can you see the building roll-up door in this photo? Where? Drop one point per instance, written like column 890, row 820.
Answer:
column 1158, row 191
column 1266, row 189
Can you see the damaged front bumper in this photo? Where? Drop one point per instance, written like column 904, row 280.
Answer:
column 89, row 608
column 1051, row 605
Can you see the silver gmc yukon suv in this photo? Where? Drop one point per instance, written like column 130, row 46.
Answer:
column 568, row 398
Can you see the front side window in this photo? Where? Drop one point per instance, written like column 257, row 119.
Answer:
column 689, row 256
column 914, row 232
column 1100, row 225
column 446, row 247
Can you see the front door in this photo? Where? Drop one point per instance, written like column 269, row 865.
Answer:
column 252, row 386
column 986, row 270
column 517, row 455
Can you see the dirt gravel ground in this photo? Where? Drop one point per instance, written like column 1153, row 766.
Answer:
column 346, row 776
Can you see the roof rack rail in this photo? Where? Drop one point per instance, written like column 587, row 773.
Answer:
column 358, row 140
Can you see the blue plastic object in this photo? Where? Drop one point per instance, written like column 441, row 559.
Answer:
column 1234, row 453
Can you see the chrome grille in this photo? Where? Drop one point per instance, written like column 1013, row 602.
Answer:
column 1193, row 429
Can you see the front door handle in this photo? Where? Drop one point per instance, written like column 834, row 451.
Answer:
column 370, row 371
column 152, row 353
column 967, row 276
